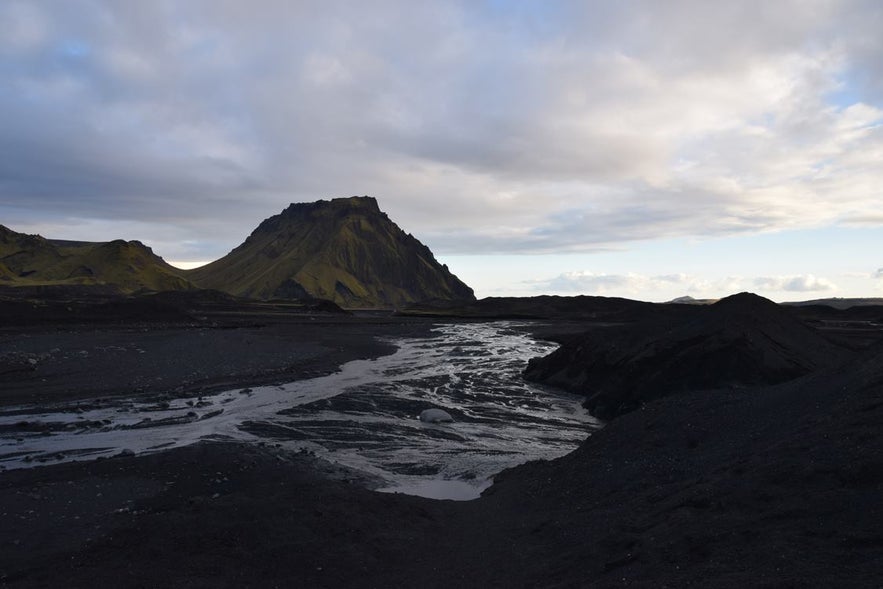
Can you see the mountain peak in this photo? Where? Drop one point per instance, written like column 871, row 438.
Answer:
column 351, row 203
column 346, row 250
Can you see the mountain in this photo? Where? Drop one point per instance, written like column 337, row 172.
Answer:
column 742, row 340
column 127, row 266
column 345, row 250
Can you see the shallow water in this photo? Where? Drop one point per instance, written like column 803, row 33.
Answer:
column 363, row 417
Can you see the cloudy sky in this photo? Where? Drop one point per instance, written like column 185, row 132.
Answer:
column 642, row 149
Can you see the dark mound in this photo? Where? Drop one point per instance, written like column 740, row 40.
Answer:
column 82, row 304
column 769, row 487
column 114, row 310
column 196, row 297
column 743, row 340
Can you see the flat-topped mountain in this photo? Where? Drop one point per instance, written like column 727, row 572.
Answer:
column 124, row 266
column 345, row 250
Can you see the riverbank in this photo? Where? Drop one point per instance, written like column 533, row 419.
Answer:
column 364, row 415
column 78, row 362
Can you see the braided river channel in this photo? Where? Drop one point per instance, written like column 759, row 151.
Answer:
column 364, row 417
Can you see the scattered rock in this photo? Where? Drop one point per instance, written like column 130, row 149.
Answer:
column 435, row 416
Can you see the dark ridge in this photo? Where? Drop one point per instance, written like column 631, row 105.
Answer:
column 839, row 303
column 99, row 308
column 743, row 340
column 59, row 292
column 540, row 307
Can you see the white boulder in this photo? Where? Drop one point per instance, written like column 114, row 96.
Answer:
column 435, row 416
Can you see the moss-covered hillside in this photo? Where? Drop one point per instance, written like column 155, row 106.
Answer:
column 345, row 250
column 128, row 266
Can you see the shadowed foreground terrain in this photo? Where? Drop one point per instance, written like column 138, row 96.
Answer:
column 746, row 486
column 741, row 341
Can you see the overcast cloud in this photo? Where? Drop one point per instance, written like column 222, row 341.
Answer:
column 482, row 127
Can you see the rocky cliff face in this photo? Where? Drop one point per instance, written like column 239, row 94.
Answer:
column 126, row 266
column 345, row 250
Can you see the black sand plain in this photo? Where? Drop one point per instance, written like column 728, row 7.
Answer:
column 761, row 486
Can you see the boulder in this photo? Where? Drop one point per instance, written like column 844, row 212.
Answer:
column 435, row 416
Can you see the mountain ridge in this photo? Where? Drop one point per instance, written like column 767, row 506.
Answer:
column 127, row 266
column 345, row 250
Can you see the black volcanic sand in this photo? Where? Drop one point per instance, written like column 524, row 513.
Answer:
column 750, row 487
column 741, row 341
column 45, row 365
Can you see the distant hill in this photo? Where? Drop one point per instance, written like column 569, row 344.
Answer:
column 581, row 307
column 839, row 303
column 688, row 300
column 743, row 340
column 126, row 266
column 345, row 250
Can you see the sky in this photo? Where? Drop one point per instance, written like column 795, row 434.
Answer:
column 645, row 149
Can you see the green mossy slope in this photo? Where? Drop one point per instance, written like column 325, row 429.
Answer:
column 345, row 250
column 129, row 266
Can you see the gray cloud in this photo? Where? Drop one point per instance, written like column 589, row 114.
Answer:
column 567, row 126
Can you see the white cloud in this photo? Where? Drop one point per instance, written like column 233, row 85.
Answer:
column 879, row 273
column 572, row 126
column 634, row 284
column 797, row 283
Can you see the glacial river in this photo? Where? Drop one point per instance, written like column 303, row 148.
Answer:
column 363, row 417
